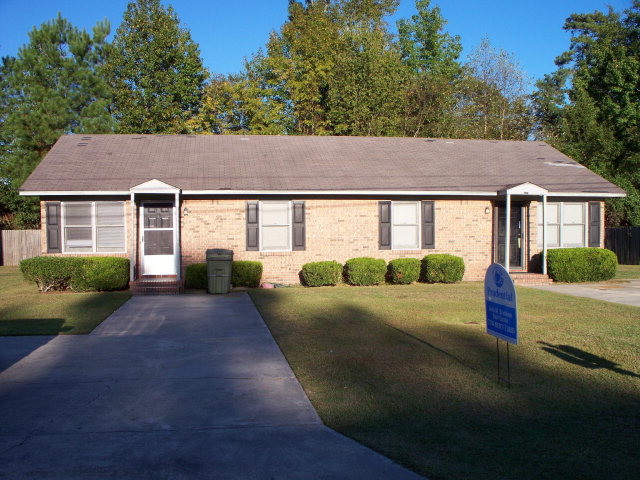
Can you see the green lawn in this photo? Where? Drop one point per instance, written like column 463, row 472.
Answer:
column 26, row 311
column 410, row 372
column 628, row 271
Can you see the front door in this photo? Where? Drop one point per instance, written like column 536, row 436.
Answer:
column 516, row 236
column 157, row 239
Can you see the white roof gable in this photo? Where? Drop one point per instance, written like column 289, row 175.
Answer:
column 154, row 186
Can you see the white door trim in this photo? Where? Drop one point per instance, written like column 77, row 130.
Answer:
column 157, row 264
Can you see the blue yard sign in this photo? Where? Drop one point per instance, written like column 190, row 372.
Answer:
column 500, row 302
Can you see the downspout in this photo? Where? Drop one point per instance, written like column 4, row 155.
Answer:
column 507, row 232
column 132, row 235
column 544, row 234
column 176, row 233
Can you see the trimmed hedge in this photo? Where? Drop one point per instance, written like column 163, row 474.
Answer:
column 77, row 273
column 404, row 270
column 245, row 273
column 195, row 275
column 102, row 274
column 365, row 271
column 318, row 274
column 581, row 264
column 442, row 268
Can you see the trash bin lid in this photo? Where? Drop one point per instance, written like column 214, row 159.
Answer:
column 219, row 252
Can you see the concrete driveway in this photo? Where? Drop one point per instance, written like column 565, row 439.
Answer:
column 168, row 387
column 617, row 291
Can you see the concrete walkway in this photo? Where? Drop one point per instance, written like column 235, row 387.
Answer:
column 170, row 387
column 626, row 292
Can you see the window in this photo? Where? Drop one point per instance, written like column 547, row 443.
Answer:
column 405, row 221
column 93, row 227
column 566, row 224
column 275, row 226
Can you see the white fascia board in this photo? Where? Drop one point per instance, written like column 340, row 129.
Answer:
column 52, row 193
column 446, row 193
column 339, row 192
column 587, row 194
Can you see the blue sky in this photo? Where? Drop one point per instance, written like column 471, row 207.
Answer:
column 228, row 31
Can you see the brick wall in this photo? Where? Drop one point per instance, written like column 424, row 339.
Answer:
column 336, row 229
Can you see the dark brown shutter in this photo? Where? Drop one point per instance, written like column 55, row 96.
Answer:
column 428, row 225
column 384, row 211
column 54, row 232
column 298, row 226
column 252, row 226
column 594, row 224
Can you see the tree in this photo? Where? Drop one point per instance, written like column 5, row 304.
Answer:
column 50, row 88
column 494, row 103
column 590, row 107
column 155, row 70
column 431, row 54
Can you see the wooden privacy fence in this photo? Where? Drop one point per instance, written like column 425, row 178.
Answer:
column 625, row 243
column 18, row 245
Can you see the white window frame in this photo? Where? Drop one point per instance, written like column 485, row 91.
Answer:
column 289, row 225
column 417, row 225
column 561, row 224
column 94, row 228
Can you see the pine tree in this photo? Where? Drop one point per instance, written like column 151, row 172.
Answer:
column 155, row 70
column 49, row 89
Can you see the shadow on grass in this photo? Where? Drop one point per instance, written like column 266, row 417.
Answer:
column 425, row 394
column 582, row 358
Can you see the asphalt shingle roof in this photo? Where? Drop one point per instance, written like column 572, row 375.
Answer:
column 285, row 163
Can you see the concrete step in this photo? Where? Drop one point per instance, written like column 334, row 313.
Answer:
column 526, row 278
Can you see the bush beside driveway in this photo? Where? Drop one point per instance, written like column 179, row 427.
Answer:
column 26, row 311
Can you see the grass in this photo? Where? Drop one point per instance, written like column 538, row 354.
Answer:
column 626, row 272
column 410, row 372
column 26, row 311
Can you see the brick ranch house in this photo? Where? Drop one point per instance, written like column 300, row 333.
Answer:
column 162, row 200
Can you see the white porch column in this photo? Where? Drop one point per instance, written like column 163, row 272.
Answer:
column 544, row 234
column 176, row 233
column 507, row 232
column 132, row 238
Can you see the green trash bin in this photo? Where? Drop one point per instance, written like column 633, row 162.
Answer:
column 219, row 270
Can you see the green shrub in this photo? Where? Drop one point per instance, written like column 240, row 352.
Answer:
column 365, row 271
column 101, row 274
column 195, row 275
column 318, row 274
column 404, row 270
column 246, row 273
column 581, row 264
column 77, row 273
column 51, row 273
column 442, row 268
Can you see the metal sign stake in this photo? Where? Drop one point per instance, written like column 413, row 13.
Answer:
column 500, row 377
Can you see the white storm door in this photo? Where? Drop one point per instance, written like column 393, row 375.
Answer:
column 157, row 239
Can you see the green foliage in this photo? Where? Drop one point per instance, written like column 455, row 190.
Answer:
column 590, row 107
column 101, row 274
column 77, row 273
column 195, row 275
column 581, row 264
column 155, row 70
column 404, row 270
column 365, row 271
column 442, row 268
column 50, row 88
column 493, row 96
column 51, row 273
column 318, row 274
column 245, row 273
